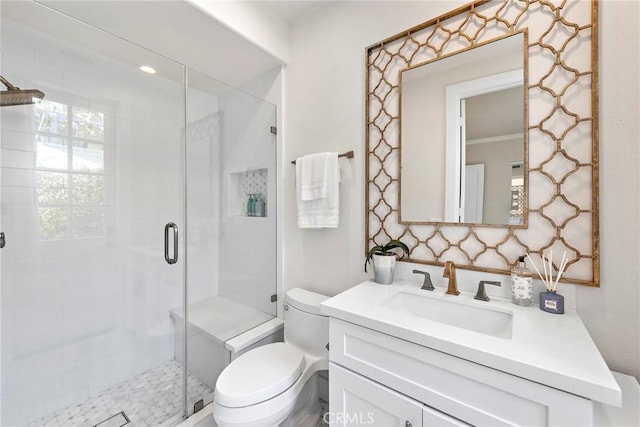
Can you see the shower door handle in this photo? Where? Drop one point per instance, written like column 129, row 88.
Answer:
column 174, row 228
column 3, row 241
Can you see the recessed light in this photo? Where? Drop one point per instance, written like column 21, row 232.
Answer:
column 147, row 69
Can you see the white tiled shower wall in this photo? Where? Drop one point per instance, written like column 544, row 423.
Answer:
column 203, row 183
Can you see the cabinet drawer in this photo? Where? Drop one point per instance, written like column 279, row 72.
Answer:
column 470, row 392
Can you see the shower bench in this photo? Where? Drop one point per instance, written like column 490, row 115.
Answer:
column 220, row 330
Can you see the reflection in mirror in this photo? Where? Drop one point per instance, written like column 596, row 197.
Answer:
column 462, row 128
column 494, row 139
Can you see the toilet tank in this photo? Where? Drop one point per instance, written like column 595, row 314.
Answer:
column 304, row 326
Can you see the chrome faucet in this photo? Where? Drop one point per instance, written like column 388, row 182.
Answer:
column 427, row 285
column 482, row 293
column 450, row 273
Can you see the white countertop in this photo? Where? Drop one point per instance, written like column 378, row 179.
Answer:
column 551, row 349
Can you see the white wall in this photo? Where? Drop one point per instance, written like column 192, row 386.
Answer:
column 612, row 312
column 324, row 111
column 324, row 100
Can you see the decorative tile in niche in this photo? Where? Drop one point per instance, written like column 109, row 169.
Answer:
column 254, row 182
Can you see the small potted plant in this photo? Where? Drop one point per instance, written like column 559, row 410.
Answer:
column 384, row 260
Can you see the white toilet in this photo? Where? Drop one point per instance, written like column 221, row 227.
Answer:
column 267, row 385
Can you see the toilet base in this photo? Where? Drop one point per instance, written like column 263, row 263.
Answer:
column 286, row 414
column 307, row 409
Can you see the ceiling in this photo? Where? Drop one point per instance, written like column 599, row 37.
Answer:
column 179, row 31
column 292, row 11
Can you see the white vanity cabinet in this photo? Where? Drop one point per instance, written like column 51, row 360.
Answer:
column 378, row 379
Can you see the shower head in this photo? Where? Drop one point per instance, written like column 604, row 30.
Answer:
column 16, row 96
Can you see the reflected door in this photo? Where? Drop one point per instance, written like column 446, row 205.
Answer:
column 473, row 194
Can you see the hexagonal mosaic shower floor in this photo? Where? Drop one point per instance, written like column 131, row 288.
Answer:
column 149, row 399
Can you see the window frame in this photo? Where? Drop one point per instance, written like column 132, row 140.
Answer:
column 71, row 206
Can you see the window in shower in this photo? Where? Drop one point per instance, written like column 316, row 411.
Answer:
column 70, row 164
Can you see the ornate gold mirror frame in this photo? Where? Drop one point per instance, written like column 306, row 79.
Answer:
column 562, row 144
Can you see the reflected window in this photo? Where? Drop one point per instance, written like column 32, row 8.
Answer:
column 70, row 164
column 516, row 211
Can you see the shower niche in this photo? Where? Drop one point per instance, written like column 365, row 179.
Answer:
column 248, row 193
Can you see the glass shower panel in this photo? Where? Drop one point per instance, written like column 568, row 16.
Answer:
column 231, row 271
column 248, row 224
column 90, row 177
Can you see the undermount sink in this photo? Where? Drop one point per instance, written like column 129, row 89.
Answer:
column 483, row 320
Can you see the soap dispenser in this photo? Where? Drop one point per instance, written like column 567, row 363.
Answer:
column 250, row 207
column 258, row 206
column 521, row 284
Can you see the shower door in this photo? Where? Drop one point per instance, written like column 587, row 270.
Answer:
column 91, row 176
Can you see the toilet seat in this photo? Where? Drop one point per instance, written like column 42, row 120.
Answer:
column 259, row 375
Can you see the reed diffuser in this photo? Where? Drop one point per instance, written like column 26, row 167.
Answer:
column 551, row 301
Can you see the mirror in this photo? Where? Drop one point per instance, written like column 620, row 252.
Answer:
column 462, row 137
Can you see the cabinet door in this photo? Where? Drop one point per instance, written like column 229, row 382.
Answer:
column 355, row 400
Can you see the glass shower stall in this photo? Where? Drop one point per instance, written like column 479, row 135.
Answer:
column 138, row 219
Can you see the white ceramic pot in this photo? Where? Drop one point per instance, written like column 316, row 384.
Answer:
column 383, row 266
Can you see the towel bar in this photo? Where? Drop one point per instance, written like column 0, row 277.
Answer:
column 348, row 155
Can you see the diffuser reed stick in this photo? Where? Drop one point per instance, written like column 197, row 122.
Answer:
column 547, row 266
column 534, row 266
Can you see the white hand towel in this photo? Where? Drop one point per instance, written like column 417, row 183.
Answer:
column 313, row 178
column 320, row 212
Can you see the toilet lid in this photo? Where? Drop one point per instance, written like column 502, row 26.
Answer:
column 259, row 375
